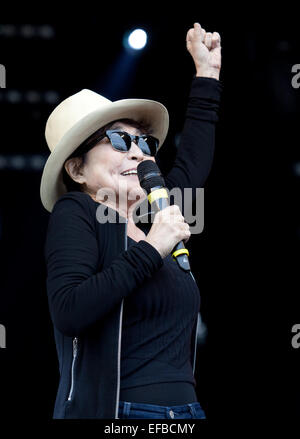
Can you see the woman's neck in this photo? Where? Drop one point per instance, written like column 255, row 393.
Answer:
column 126, row 211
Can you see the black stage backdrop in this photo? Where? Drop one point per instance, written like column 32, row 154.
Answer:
column 246, row 259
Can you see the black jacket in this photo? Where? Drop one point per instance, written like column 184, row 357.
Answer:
column 90, row 272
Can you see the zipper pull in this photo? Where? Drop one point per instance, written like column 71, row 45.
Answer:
column 75, row 343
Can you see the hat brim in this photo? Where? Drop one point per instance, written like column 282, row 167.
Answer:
column 152, row 113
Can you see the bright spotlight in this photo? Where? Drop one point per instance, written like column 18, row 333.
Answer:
column 137, row 39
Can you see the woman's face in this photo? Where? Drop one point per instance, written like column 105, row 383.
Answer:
column 104, row 167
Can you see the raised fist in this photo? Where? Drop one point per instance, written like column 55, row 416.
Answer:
column 205, row 49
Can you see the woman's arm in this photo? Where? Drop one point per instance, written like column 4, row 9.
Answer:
column 196, row 148
column 78, row 294
column 195, row 152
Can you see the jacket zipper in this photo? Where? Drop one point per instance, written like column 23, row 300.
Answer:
column 120, row 337
column 75, row 350
column 196, row 333
column 119, row 341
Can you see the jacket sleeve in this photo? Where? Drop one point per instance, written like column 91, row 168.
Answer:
column 78, row 294
column 195, row 152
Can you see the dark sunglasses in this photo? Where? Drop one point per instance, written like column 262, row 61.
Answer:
column 121, row 141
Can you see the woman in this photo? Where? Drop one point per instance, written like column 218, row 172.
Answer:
column 124, row 313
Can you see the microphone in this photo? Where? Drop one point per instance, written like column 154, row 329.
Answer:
column 153, row 182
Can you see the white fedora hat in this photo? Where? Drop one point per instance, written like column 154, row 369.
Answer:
column 78, row 117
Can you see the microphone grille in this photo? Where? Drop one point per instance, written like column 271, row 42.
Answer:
column 149, row 175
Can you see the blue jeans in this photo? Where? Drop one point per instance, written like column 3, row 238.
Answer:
column 134, row 410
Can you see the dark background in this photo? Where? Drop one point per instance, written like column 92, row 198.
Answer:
column 245, row 261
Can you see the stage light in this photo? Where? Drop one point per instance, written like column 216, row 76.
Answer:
column 296, row 169
column 3, row 162
column 23, row 162
column 51, row 97
column 46, row 32
column 27, row 31
column 13, row 96
column 18, row 162
column 37, row 162
column 137, row 39
column 32, row 97
column 8, row 30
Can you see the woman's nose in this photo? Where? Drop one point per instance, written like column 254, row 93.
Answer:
column 135, row 152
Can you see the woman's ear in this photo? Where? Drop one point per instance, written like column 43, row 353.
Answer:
column 73, row 167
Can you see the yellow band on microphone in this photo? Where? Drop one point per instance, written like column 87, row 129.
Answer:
column 158, row 193
column 180, row 252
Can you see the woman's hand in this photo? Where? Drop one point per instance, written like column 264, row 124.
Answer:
column 167, row 230
column 205, row 49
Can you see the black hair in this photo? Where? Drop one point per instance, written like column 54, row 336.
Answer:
column 88, row 144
